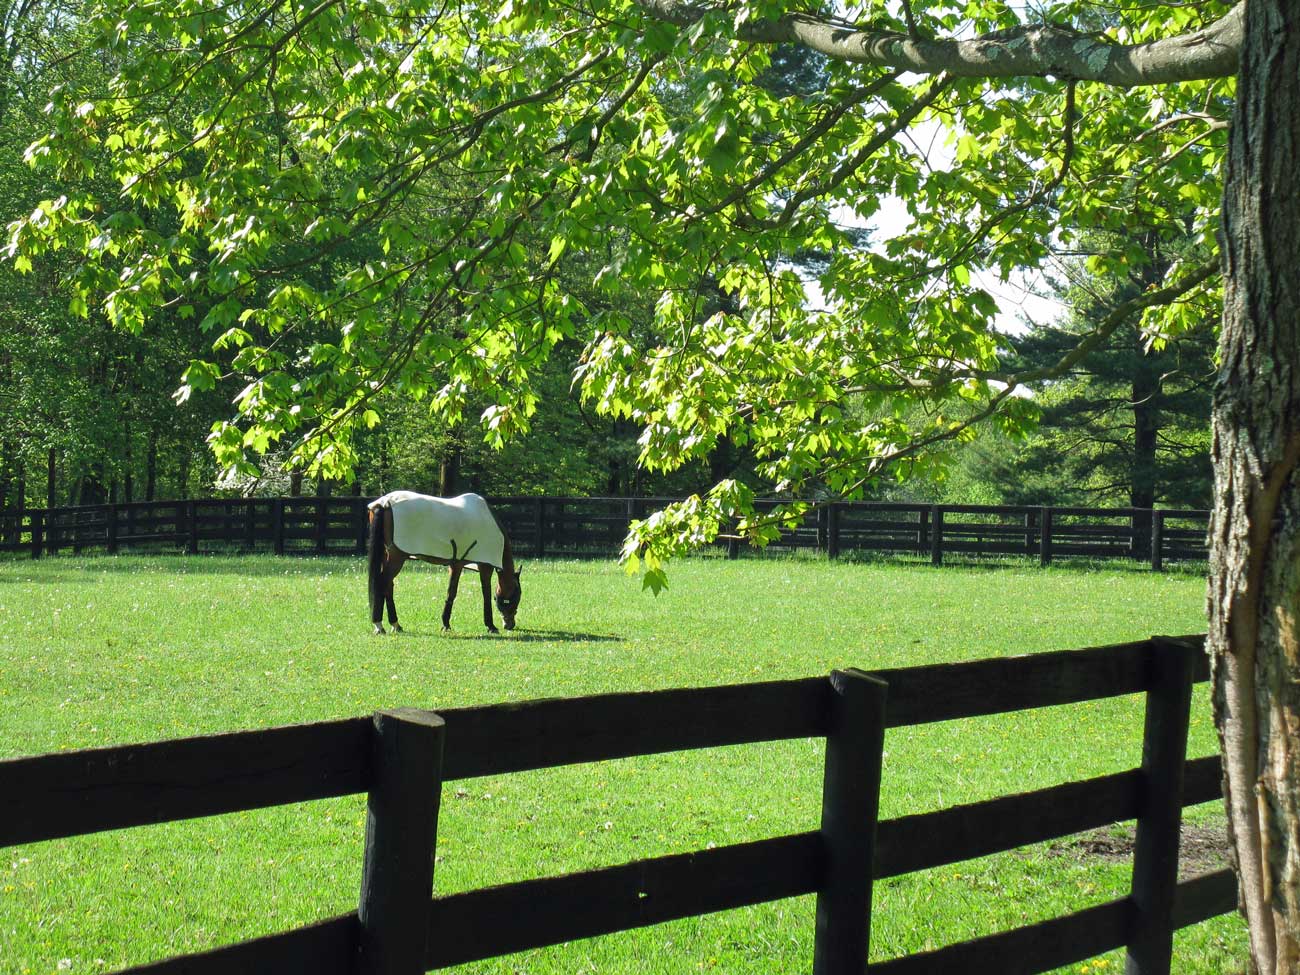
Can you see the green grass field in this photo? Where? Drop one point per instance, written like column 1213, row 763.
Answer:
column 108, row 650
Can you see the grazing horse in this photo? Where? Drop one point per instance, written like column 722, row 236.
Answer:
column 454, row 532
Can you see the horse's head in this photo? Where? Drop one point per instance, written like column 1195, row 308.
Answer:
column 508, row 593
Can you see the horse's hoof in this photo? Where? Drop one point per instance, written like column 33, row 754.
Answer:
column 446, row 627
column 396, row 628
column 379, row 630
column 493, row 629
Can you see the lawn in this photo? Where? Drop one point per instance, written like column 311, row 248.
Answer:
column 104, row 650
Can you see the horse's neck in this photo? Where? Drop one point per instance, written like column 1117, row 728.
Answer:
column 507, row 559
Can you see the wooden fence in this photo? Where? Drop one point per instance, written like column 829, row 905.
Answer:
column 552, row 526
column 401, row 758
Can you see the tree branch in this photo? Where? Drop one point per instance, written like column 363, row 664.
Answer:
column 1034, row 50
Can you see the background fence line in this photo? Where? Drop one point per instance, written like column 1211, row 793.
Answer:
column 400, row 759
column 575, row 527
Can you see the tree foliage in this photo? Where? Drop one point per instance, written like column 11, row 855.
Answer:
column 363, row 201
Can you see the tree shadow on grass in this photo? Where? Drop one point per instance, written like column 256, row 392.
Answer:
column 67, row 566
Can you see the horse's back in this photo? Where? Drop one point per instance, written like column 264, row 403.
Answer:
column 444, row 528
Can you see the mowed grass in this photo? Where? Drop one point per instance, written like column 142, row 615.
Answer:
column 107, row 650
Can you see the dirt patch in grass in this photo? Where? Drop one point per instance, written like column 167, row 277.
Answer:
column 1202, row 848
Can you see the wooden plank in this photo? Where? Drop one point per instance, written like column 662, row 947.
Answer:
column 1205, row 896
column 941, row 692
column 1023, row 951
column 935, row 839
column 75, row 793
column 1155, row 854
column 325, row 948
column 501, row 738
column 80, row 792
column 1202, row 780
column 498, row 920
column 401, row 830
column 850, row 805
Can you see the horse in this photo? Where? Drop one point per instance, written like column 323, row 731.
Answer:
column 455, row 532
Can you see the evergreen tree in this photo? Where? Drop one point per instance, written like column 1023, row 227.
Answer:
column 1128, row 424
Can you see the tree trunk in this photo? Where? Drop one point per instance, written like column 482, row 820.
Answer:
column 50, row 483
column 151, row 466
column 1146, row 427
column 1254, row 592
column 449, row 472
column 6, row 466
column 127, row 467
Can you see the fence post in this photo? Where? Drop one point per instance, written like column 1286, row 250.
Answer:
column 833, row 530
column 110, row 529
column 936, row 534
column 362, row 523
column 923, row 531
column 1155, row 854
column 1158, row 541
column 1045, row 536
column 192, row 516
column 322, row 519
column 19, row 511
column 38, row 525
column 277, row 524
column 1031, row 525
column 541, row 528
column 850, row 804
column 401, row 832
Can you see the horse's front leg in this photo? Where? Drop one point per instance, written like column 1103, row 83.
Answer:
column 485, row 579
column 452, row 585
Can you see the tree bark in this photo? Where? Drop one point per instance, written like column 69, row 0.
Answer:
column 449, row 472
column 1254, row 592
column 151, row 466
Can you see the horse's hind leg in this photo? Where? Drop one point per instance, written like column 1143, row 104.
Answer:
column 453, row 583
column 391, row 567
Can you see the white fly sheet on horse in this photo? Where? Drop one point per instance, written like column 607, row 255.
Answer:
column 424, row 525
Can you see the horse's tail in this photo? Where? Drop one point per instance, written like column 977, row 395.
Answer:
column 375, row 551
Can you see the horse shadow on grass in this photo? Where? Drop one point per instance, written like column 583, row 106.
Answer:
column 521, row 635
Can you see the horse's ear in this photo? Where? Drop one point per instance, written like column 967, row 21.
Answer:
column 519, row 571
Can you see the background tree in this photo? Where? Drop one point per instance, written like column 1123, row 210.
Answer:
column 1128, row 424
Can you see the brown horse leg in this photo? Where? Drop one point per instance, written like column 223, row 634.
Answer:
column 485, row 577
column 453, row 583
column 392, row 566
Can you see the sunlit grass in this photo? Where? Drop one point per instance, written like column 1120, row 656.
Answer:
column 109, row 650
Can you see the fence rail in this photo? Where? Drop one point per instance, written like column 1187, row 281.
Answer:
column 559, row 526
column 395, row 756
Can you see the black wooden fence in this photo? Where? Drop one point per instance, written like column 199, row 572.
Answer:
column 553, row 526
column 400, row 758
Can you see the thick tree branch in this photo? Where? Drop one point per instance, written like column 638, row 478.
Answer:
column 1029, row 51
